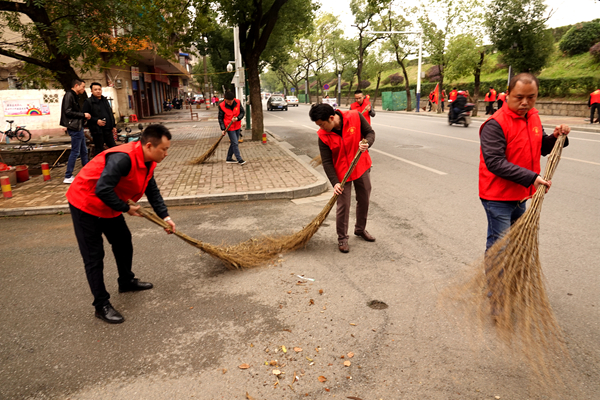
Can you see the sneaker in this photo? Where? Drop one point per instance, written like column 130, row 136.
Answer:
column 230, row 161
column 241, row 162
column 69, row 180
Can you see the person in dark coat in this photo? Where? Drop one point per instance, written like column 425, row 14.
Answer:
column 102, row 122
column 73, row 118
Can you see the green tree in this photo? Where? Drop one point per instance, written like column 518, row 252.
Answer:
column 518, row 30
column 217, row 43
column 266, row 28
column 55, row 38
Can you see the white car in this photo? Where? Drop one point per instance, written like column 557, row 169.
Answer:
column 292, row 100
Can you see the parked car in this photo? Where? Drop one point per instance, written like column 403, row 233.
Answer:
column 277, row 103
column 292, row 100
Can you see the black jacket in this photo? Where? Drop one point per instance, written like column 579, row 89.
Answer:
column 70, row 111
column 99, row 109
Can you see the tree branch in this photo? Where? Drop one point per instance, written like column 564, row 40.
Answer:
column 27, row 59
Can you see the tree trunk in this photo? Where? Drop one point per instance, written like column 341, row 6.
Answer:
column 376, row 90
column 349, row 91
column 255, row 100
column 407, row 88
column 440, row 89
column 477, row 82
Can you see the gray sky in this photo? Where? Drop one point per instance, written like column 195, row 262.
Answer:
column 567, row 12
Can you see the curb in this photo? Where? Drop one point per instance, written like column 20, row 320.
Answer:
column 273, row 194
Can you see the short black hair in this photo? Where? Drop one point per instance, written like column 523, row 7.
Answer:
column 154, row 134
column 524, row 77
column 229, row 95
column 95, row 84
column 76, row 82
column 358, row 91
column 320, row 112
column 454, row 88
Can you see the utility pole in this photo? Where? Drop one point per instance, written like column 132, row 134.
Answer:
column 206, row 94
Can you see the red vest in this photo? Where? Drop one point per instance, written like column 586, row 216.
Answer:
column 344, row 148
column 453, row 95
column 493, row 95
column 82, row 192
column 487, row 97
column 595, row 97
column 523, row 148
column 502, row 96
column 360, row 109
column 229, row 114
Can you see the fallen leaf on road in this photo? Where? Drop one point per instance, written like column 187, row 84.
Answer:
column 317, row 349
column 244, row 366
column 496, row 397
column 347, row 363
column 273, row 362
column 327, row 390
column 248, row 397
column 276, row 372
column 289, row 292
column 320, row 291
column 350, row 355
column 309, row 359
column 224, row 370
column 353, row 398
column 283, row 349
column 352, row 323
column 322, row 379
column 311, row 302
column 297, row 349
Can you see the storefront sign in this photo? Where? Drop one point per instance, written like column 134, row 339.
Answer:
column 147, row 77
column 135, row 74
column 25, row 108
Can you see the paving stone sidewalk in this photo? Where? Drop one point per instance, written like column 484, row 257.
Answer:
column 271, row 171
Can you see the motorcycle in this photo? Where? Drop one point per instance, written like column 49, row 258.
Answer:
column 463, row 118
column 128, row 136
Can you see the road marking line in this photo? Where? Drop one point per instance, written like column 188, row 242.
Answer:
column 409, row 162
column 429, row 133
column 586, row 140
column 310, row 127
column 583, row 161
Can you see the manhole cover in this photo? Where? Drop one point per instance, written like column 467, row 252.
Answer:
column 377, row 305
column 409, row 146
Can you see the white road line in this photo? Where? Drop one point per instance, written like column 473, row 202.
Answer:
column 435, row 171
column 586, row 140
column 310, row 127
column 429, row 133
column 275, row 116
column 583, row 161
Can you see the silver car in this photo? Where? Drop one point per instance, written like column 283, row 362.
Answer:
column 292, row 100
column 277, row 103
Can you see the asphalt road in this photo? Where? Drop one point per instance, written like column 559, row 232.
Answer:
column 188, row 336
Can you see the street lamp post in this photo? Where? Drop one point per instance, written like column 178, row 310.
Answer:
column 420, row 35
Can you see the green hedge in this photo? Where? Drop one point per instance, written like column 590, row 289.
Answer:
column 548, row 87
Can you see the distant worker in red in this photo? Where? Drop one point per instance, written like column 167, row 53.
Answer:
column 594, row 104
column 363, row 105
column 490, row 98
column 501, row 99
column 452, row 96
column 230, row 110
column 443, row 99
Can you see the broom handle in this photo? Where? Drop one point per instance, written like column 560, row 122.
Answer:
column 354, row 162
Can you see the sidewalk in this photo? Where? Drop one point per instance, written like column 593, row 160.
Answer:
column 272, row 171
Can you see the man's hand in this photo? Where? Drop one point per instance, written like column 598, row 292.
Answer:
column 539, row 181
column 169, row 221
column 368, row 108
column 133, row 211
column 561, row 130
column 338, row 189
column 101, row 122
column 224, row 132
column 87, row 115
column 234, row 119
column 363, row 146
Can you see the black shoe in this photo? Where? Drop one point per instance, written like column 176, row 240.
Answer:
column 108, row 314
column 241, row 162
column 365, row 235
column 135, row 286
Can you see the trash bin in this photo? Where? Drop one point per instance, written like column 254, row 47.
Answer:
column 22, row 173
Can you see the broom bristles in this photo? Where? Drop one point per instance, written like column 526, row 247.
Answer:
column 255, row 252
column 513, row 288
column 209, row 153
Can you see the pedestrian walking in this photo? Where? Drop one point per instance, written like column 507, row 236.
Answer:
column 443, row 99
column 594, row 104
column 340, row 136
column 362, row 105
column 230, row 110
column 97, row 200
column 72, row 118
column 512, row 142
column 102, row 123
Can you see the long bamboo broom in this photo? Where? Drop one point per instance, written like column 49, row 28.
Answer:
column 211, row 151
column 513, row 287
column 254, row 252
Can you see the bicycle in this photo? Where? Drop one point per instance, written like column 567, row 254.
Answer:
column 22, row 134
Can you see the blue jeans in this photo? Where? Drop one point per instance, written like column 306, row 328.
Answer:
column 500, row 215
column 78, row 148
column 234, row 137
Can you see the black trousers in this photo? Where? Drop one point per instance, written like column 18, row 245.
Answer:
column 89, row 230
column 593, row 108
column 102, row 137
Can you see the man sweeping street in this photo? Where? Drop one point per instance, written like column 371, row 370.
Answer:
column 230, row 110
column 363, row 105
column 339, row 140
column 512, row 142
column 97, row 200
